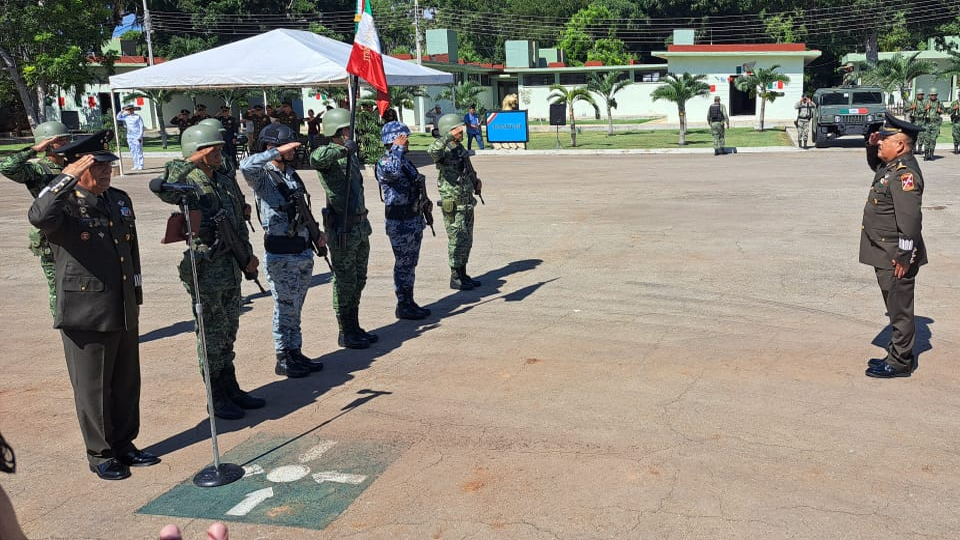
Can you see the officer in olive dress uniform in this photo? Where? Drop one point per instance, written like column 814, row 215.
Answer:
column 91, row 228
column 890, row 238
column 35, row 175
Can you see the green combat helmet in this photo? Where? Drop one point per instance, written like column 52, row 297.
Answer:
column 199, row 136
column 212, row 122
column 335, row 119
column 50, row 129
column 448, row 122
column 933, row 92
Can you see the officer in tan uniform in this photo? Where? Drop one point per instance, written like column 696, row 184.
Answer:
column 890, row 239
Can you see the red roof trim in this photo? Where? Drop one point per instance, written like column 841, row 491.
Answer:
column 743, row 47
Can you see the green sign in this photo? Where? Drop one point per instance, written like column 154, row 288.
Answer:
column 293, row 482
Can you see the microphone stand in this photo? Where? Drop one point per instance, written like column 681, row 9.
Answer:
column 218, row 474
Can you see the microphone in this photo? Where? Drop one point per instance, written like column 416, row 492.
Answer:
column 157, row 185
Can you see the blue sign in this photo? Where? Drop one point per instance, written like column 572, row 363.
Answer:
column 507, row 127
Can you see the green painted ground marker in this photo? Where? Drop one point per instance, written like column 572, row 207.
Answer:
column 306, row 483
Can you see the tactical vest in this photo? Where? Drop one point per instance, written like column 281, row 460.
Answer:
column 716, row 115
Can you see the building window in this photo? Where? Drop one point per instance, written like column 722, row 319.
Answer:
column 484, row 80
column 573, row 78
column 539, row 79
column 648, row 76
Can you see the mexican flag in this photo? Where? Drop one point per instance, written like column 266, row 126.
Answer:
column 366, row 58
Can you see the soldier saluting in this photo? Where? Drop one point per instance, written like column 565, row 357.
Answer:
column 49, row 137
column 890, row 238
column 92, row 230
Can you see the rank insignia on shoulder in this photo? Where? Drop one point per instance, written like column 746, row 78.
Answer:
column 906, row 181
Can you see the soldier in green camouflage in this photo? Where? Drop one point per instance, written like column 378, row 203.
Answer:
column 48, row 136
column 917, row 115
column 934, row 119
column 456, row 196
column 345, row 221
column 218, row 273
column 954, row 111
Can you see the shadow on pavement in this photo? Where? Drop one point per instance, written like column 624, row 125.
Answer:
column 922, row 344
column 285, row 396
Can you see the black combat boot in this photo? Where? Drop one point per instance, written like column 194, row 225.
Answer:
column 228, row 378
column 372, row 338
column 956, row 148
column 289, row 367
column 426, row 312
column 716, row 151
column 223, row 406
column 406, row 308
column 457, row 282
column 349, row 336
column 305, row 361
column 464, row 276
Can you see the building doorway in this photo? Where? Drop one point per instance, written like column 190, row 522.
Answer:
column 741, row 104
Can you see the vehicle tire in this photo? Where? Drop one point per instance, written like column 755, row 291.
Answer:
column 818, row 141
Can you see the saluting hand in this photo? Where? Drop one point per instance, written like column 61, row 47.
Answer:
column 44, row 144
column 874, row 139
column 288, row 147
column 76, row 168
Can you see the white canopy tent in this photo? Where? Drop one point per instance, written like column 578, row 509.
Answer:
column 279, row 58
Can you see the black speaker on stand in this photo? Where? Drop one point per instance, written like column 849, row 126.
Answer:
column 558, row 118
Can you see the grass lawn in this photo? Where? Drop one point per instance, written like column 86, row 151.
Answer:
column 659, row 138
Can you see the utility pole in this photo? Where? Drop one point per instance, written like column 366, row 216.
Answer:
column 146, row 26
column 421, row 114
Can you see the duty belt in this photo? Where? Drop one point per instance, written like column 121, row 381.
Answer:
column 400, row 212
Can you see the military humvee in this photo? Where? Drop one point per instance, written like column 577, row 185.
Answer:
column 846, row 110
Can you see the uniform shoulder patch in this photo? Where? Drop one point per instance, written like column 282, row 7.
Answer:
column 906, row 181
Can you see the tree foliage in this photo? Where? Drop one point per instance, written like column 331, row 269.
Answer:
column 606, row 86
column 48, row 44
column 898, row 72
column 760, row 82
column 462, row 95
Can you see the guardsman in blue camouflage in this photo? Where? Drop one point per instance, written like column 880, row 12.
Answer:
column 48, row 136
column 403, row 192
column 289, row 257
column 92, row 230
column 891, row 240
column 218, row 272
column 350, row 247
column 456, row 198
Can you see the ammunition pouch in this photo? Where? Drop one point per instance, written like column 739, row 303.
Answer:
column 449, row 206
column 284, row 245
column 401, row 212
column 333, row 220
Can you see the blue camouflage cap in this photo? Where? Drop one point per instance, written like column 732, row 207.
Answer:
column 392, row 130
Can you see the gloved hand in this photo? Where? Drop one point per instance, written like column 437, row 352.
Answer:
column 351, row 146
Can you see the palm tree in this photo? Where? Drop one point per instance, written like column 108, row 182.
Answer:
column 759, row 82
column 606, row 87
column 680, row 89
column 561, row 94
column 899, row 71
column 402, row 97
column 461, row 94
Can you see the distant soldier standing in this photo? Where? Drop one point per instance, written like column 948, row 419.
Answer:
column 805, row 110
column 717, row 118
column 933, row 121
column 349, row 247
column 289, row 257
column 891, row 240
column 457, row 189
column 954, row 111
column 404, row 194
column 49, row 137
column 220, row 203
column 917, row 115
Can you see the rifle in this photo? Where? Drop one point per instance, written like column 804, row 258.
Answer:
column 299, row 214
column 469, row 172
column 424, row 205
column 229, row 239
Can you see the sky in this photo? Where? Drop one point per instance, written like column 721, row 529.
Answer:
column 129, row 23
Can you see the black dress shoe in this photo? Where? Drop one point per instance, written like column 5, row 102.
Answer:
column 138, row 458
column 886, row 371
column 876, row 362
column 111, row 469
